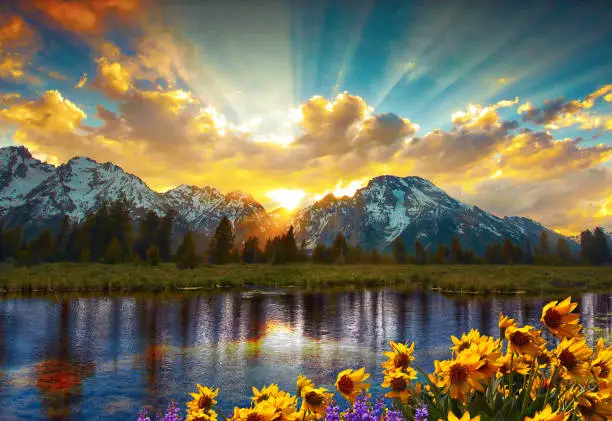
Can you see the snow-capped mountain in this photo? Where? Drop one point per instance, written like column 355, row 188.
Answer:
column 37, row 195
column 19, row 174
column 412, row 208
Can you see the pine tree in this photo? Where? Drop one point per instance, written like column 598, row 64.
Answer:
column 188, row 258
column 508, row 251
column 62, row 239
column 84, row 256
column 399, row 251
column 544, row 244
column 289, row 246
column 456, row 252
column 441, row 254
column 164, row 235
column 600, row 248
column 529, row 259
column 113, row 251
column 563, row 250
column 153, row 255
column 148, row 228
column 586, row 246
column 339, row 249
column 375, row 257
column 41, row 249
column 251, row 252
column 321, row 254
column 11, row 242
column 222, row 242
column 420, row 255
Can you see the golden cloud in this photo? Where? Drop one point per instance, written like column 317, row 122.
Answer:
column 85, row 16
column 18, row 43
column 82, row 81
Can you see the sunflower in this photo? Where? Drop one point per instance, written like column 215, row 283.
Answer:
column 459, row 376
column 284, row 405
column 594, row 406
column 265, row 393
column 203, row 400
column 489, row 351
column 602, row 362
column 505, row 322
column 400, row 357
column 302, row 383
column 472, row 337
column 559, row 319
column 398, row 382
column 201, row 415
column 350, row 383
column 315, row 400
column 510, row 363
column 547, row 414
column 465, row 417
column 573, row 358
column 260, row 412
column 524, row 340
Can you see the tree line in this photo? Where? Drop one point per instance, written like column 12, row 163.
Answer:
column 107, row 236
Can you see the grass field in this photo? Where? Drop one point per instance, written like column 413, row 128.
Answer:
column 61, row 277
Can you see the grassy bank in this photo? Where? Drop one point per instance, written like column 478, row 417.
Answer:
column 59, row 277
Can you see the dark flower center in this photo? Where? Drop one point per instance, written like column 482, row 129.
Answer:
column 586, row 411
column 543, row 358
column 345, row 385
column 552, row 318
column 313, row 398
column 519, row 339
column 398, row 384
column 263, row 397
column 604, row 370
column 204, row 402
column 254, row 416
column 463, row 346
column 458, row 373
column 401, row 360
column 568, row 359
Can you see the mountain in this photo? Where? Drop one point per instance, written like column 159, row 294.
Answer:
column 37, row 195
column 412, row 208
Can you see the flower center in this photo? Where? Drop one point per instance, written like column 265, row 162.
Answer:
column 604, row 370
column 519, row 338
column 401, row 360
column 458, row 373
column 204, row 402
column 345, row 385
column 552, row 318
column 543, row 358
column 263, row 397
column 568, row 359
column 398, row 383
column 463, row 346
column 586, row 411
column 313, row 398
column 254, row 416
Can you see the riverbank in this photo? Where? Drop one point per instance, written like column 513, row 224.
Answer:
column 62, row 277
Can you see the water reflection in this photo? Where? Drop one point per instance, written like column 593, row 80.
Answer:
column 104, row 357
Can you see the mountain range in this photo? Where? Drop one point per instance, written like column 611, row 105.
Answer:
column 37, row 195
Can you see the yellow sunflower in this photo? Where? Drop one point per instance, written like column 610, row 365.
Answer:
column 547, row 414
column 594, row 406
column 302, row 383
column 203, row 400
column 265, row 393
column 602, row 362
column 201, row 415
column 489, row 351
column 350, row 383
column 260, row 412
column 398, row 382
column 459, row 376
column 505, row 322
column 400, row 356
column 559, row 319
column 524, row 340
column 573, row 358
column 510, row 363
column 465, row 417
column 315, row 400
column 285, row 406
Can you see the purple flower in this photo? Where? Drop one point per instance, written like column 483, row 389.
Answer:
column 142, row 416
column 393, row 415
column 364, row 410
column 333, row 412
column 421, row 414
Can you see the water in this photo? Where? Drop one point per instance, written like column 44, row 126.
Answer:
column 104, row 357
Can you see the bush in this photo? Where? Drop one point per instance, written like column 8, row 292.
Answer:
column 153, row 255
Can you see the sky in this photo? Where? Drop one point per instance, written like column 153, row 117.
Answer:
column 505, row 105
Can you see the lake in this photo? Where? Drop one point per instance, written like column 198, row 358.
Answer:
column 104, row 357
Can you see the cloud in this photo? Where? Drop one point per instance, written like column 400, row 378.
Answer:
column 18, row 43
column 56, row 76
column 82, row 81
column 87, row 17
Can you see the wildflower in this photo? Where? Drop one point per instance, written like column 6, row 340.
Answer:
column 400, row 357
column 559, row 320
column 547, row 414
column 302, row 383
column 172, row 413
column 602, row 362
column 510, row 363
column 459, row 376
column 315, row 400
column 265, row 393
column 465, row 417
column 393, row 415
column 260, row 412
column 398, row 382
column 201, row 415
column 594, row 406
column 524, row 340
column 284, row 405
column 473, row 337
column 203, row 400
column 363, row 410
column 350, row 383
column 421, row 414
column 505, row 322
column 573, row 355
column 332, row 412
column 142, row 416
column 489, row 351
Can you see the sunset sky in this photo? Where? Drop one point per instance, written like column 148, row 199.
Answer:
column 503, row 104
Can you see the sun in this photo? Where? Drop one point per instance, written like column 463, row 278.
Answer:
column 287, row 198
